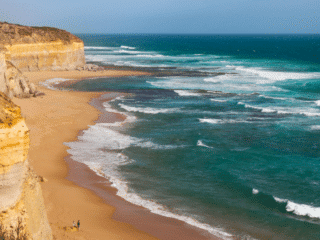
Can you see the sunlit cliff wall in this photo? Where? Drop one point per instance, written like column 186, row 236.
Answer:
column 41, row 48
column 25, row 48
column 21, row 201
column 3, row 68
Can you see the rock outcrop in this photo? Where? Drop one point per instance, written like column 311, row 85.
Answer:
column 21, row 203
column 3, row 69
column 22, row 211
column 25, row 48
column 90, row 67
column 41, row 48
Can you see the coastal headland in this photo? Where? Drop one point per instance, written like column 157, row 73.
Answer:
column 35, row 122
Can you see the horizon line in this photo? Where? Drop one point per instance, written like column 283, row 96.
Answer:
column 197, row 33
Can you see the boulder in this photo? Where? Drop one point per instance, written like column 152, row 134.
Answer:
column 32, row 88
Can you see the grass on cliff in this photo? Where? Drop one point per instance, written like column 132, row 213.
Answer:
column 15, row 33
column 17, row 233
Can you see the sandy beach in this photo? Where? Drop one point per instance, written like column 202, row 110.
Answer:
column 74, row 192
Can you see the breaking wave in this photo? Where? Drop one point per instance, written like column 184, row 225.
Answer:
column 127, row 47
column 201, row 144
column 186, row 93
column 310, row 112
column 273, row 76
column 148, row 110
column 300, row 209
column 220, row 121
column 50, row 82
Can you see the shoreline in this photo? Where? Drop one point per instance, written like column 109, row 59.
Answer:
column 125, row 211
column 124, row 220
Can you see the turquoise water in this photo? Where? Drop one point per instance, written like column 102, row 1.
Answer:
column 224, row 135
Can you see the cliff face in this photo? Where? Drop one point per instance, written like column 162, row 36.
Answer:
column 46, row 56
column 41, row 48
column 25, row 48
column 3, row 68
column 21, row 201
column 22, row 49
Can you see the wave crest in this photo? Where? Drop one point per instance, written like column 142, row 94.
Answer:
column 300, row 209
column 148, row 110
column 186, row 93
column 201, row 144
column 273, row 76
column 127, row 47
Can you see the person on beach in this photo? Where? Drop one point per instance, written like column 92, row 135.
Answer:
column 78, row 225
column 74, row 224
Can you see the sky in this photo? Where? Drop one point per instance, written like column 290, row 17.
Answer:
column 167, row 16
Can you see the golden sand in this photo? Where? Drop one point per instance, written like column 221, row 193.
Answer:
column 58, row 117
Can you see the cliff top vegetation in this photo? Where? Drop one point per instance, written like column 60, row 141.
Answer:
column 15, row 34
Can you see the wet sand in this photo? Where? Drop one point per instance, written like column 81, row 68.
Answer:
column 74, row 192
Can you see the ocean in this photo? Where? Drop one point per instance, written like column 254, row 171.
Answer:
column 224, row 134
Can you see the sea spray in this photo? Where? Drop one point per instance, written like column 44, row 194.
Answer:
column 245, row 128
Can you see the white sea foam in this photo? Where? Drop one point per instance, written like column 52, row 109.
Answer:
column 220, row 121
column 101, row 58
column 273, row 76
column 99, row 48
column 148, row 110
column 127, row 47
column 263, row 109
column 161, row 210
column 97, row 148
column 280, row 200
column 105, row 138
column 255, row 191
column 128, row 63
column 186, row 93
column 212, row 79
column 50, row 82
column 310, row 112
column 277, row 98
column 220, row 78
column 89, row 148
column 201, row 144
column 130, row 52
column 150, row 56
column 300, row 209
column 212, row 121
column 317, row 103
column 129, row 118
column 218, row 100
column 315, row 127
column 117, row 60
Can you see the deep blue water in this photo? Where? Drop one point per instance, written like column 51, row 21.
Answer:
column 224, row 135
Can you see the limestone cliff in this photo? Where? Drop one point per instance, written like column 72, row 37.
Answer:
column 21, row 201
column 3, row 68
column 25, row 48
column 41, row 48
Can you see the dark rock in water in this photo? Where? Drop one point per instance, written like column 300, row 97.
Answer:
column 38, row 93
column 167, row 71
column 90, row 67
column 221, row 94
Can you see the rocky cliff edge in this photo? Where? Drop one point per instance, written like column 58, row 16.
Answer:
column 22, row 211
column 24, row 48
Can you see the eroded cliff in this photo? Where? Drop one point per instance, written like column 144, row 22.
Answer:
column 41, row 48
column 24, row 48
column 21, row 203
